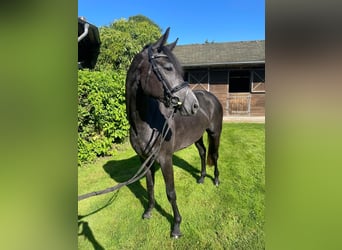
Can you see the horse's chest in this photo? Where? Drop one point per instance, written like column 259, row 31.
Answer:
column 144, row 140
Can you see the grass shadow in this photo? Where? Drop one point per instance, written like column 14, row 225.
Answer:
column 123, row 170
column 195, row 173
column 86, row 229
column 88, row 234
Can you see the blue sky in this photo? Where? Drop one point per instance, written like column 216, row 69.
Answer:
column 190, row 21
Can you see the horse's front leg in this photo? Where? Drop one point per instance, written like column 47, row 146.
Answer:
column 167, row 170
column 150, row 189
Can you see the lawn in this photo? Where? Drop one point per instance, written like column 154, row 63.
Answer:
column 230, row 216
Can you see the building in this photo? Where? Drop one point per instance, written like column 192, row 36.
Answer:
column 233, row 71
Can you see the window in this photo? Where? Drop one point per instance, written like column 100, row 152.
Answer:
column 218, row 76
column 239, row 81
column 198, row 78
column 258, row 80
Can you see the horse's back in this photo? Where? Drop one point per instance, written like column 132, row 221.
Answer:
column 189, row 129
column 209, row 104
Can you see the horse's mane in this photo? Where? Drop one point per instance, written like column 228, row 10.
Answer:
column 173, row 60
column 171, row 57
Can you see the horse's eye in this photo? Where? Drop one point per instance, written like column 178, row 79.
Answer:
column 168, row 67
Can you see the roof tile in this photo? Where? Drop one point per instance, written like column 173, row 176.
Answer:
column 221, row 53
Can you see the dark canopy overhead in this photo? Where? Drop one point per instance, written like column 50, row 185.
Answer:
column 88, row 44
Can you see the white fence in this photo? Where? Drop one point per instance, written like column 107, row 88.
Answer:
column 239, row 103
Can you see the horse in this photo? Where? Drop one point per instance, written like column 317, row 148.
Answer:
column 157, row 97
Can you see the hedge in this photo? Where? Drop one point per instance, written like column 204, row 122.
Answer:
column 101, row 113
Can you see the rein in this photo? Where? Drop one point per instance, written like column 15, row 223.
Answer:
column 140, row 173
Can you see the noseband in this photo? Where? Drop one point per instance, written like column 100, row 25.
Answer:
column 170, row 99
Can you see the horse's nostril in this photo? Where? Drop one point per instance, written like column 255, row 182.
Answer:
column 195, row 107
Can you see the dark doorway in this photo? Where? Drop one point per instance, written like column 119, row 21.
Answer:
column 239, row 81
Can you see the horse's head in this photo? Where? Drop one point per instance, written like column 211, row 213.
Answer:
column 161, row 77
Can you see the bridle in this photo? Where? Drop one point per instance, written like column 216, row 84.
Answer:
column 170, row 100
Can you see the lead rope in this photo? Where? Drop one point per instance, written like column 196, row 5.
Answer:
column 139, row 174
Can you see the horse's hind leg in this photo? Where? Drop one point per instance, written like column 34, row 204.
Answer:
column 150, row 189
column 202, row 152
column 214, row 141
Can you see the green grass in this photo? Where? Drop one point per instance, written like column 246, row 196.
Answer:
column 230, row 216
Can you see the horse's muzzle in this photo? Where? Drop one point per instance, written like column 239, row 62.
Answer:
column 190, row 104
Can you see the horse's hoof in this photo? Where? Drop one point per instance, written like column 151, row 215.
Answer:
column 216, row 182
column 200, row 181
column 176, row 235
column 147, row 215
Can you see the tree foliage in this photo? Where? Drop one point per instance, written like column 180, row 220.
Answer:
column 123, row 39
column 141, row 18
column 101, row 113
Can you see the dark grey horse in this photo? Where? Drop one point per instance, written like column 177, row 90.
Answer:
column 165, row 114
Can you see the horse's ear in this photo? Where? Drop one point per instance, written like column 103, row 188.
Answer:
column 162, row 40
column 171, row 46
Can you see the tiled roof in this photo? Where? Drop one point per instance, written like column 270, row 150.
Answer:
column 221, row 53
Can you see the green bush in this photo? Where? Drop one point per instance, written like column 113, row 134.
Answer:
column 101, row 113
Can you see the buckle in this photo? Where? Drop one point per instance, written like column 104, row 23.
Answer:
column 175, row 102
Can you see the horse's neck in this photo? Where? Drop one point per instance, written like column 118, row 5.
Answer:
column 146, row 113
column 137, row 106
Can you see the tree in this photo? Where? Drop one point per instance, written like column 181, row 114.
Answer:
column 141, row 18
column 123, row 39
column 101, row 113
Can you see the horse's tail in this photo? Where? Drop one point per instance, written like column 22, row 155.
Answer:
column 210, row 161
column 213, row 148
